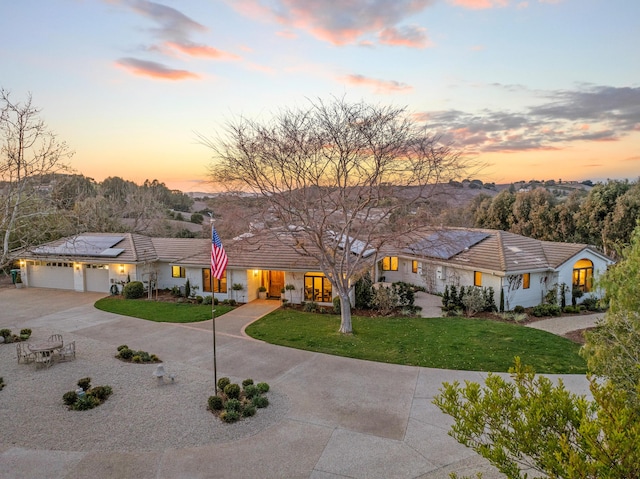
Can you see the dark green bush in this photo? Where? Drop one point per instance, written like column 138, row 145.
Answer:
column 336, row 305
column 206, row 300
column 232, row 302
column 122, row 346
column 364, row 292
column 125, row 353
column 69, row 398
column 85, row 402
column 136, row 358
column 133, row 290
column 232, row 391
column 251, row 391
column 591, row 304
column 260, row 401
column 546, row 310
column 310, row 307
column 263, row 387
column 229, row 416
column 247, row 382
column 249, row 411
column 5, row 333
column 571, row 309
column 215, row 403
column 518, row 309
column 84, row 383
column 233, row 405
column 25, row 332
column 223, row 382
column 216, row 301
column 101, row 393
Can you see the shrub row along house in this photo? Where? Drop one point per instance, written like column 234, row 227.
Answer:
column 520, row 269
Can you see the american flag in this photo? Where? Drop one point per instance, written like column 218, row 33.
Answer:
column 219, row 258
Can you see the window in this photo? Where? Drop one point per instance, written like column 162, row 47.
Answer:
column 390, row 263
column 414, row 266
column 178, row 272
column 317, row 287
column 219, row 285
column 583, row 275
column 526, row 280
column 477, row 278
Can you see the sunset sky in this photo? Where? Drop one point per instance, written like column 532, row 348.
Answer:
column 544, row 89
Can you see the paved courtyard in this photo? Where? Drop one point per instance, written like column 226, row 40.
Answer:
column 329, row 417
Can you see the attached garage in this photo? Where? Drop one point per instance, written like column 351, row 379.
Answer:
column 58, row 275
column 97, row 278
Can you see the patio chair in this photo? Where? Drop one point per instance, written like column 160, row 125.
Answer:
column 55, row 338
column 68, row 352
column 25, row 355
column 43, row 359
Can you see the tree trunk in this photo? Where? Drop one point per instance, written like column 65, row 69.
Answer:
column 345, row 315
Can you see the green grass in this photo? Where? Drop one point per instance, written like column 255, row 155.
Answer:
column 162, row 312
column 446, row 343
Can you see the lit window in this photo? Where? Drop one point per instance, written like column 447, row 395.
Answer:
column 583, row 275
column 178, row 272
column 477, row 278
column 414, row 266
column 390, row 263
column 526, row 280
column 317, row 287
column 219, row 285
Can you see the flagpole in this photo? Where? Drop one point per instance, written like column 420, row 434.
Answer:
column 213, row 317
column 219, row 261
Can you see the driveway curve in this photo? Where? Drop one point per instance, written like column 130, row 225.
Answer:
column 329, row 417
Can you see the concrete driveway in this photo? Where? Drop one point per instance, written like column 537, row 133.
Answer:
column 344, row 418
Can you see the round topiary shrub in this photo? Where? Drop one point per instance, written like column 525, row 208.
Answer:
column 133, row 290
column 263, row 387
column 249, row 411
column 84, row 383
column 260, row 401
column 69, row 398
column 232, row 391
column 251, row 391
column 215, row 403
column 229, row 416
column 125, row 353
column 233, row 405
column 101, row 393
column 247, row 382
column 518, row 309
column 222, row 383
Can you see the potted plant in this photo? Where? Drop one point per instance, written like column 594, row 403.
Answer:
column 262, row 292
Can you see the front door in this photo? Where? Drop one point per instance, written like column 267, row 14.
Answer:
column 276, row 283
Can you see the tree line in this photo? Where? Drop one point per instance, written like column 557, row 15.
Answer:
column 604, row 217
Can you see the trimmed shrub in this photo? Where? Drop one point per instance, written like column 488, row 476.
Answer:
column 518, row 309
column 133, row 290
column 251, row 391
column 86, row 402
column 336, row 305
column 101, row 393
column 260, row 401
column 223, row 382
column 546, row 310
column 84, row 383
column 206, row 300
column 310, row 307
column 232, row 391
column 233, row 405
column 122, row 346
column 247, row 382
column 215, row 403
column 249, row 411
column 125, row 353
column 69, row 398
column 229, row 416
column 263, row 387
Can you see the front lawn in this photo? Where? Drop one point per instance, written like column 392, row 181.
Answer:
column 445, row 343
column 160, row 311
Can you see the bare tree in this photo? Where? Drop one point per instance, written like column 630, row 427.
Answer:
column 29, row 152
column 341, row 177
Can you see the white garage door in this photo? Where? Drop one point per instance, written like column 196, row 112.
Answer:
column 97, row 278
column 51, row 275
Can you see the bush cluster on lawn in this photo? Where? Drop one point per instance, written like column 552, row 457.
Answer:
column 9, row 337
column 88, row 398
column 234, row 402
column 133, row 356
column 471, row 299
column 133, row 290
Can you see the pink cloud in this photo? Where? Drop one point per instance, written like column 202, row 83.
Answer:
column 153, row 70
column 632, row 158
column 479, row 4
column 341, row 23
column 412, row 37
column 378, row 86
column 206, row 51
column 287, row 34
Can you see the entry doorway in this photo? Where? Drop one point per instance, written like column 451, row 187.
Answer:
column 275, row 282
